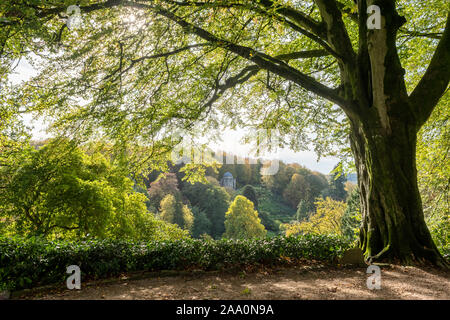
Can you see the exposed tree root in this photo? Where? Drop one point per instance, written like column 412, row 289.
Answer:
column 422, row 257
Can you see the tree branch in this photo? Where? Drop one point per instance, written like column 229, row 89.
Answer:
column 435, row 80
column 301, row 22
column 284, row 10
column 260, row 59
column 231, row 82
column 303, row 54
column 414, row 34
column 337, row 35
column 155, row 56
column 299, row 17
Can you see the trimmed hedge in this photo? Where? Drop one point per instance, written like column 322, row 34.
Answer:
column 26, row 263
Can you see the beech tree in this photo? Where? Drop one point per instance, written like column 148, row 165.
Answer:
column 165, row 184
column 138, row 69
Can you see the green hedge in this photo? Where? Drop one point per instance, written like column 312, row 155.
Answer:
column 32, row 262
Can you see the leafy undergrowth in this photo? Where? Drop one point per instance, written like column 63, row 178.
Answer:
column 26, row 263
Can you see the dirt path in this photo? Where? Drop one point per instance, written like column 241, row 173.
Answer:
column 298, row 282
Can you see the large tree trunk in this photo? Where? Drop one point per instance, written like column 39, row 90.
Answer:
column 393, row 226
column 384, row 125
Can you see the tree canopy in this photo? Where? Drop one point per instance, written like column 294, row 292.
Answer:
column 58, row 190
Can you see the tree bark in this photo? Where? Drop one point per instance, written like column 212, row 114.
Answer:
column 393, row 226
column 384, row 124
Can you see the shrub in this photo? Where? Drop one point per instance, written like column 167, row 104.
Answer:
column 32, row 262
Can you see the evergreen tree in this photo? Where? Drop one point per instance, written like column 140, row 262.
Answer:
column 337, row 184
column 174, row 211
column 268, row 222
column 202, row 225
column 250, row 193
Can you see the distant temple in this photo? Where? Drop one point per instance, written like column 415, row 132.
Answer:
column 228, row 181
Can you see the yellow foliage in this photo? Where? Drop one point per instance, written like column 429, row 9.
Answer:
column 242, row 221
column 326, row 220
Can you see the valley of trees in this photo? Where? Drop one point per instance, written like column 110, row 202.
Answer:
column 63, row 191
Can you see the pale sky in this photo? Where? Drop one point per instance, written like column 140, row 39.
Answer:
column 231, row 140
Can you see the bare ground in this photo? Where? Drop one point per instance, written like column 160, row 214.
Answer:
column 293, row 282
